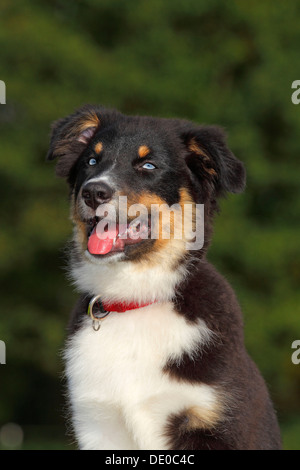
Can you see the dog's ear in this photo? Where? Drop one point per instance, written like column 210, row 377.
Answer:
column 208, row 157
column 70, row 136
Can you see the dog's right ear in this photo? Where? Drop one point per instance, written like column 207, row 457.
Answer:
column 209, row 158
column 70, row 136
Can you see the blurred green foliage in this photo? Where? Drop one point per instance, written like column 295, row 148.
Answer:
column 214, row 62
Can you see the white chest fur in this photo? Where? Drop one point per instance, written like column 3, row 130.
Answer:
column 119, row 394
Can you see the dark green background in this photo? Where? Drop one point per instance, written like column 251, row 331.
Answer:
column 214, row 62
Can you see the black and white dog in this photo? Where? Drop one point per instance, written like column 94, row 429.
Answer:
column 168, row 368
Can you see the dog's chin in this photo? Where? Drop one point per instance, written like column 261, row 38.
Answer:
column 103, row 259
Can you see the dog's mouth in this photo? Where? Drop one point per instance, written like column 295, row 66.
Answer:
column 105, row 238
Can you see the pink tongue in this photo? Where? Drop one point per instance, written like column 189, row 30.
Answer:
column 101, row 246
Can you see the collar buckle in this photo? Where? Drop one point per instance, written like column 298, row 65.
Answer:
column 97, row 312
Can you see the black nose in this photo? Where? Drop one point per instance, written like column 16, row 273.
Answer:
column 94, row 194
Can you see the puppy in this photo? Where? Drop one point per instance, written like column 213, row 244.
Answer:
column 155, row 357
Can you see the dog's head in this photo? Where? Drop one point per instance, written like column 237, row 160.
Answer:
column 137, row 181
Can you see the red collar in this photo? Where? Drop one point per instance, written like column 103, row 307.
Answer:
column 98, row 310
column 123, row 306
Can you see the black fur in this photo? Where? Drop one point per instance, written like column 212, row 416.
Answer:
column 198, row 159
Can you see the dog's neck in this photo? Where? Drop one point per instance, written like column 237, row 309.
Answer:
column 127, row 281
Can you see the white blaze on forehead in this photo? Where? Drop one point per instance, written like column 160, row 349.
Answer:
column 103, row 178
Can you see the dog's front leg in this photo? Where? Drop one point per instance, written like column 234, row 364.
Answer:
column 147, row 428
column 180, row 408
column 100, row 426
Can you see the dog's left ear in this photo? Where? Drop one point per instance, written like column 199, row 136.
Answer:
column 208, row 157
column 70, row 136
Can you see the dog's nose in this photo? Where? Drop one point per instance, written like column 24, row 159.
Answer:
column 94, row 194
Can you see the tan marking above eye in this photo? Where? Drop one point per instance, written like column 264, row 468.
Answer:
column 98, row 147
column 143, row 151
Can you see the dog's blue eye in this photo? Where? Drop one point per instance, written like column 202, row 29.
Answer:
column 92, row 161
column 149, row 166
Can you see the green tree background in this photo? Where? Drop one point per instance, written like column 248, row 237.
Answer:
column 214, row 62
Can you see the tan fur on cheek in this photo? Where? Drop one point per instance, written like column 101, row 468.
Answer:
column 80, row 227
column 175, row 219
column 170, row 245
